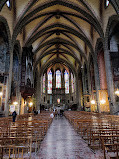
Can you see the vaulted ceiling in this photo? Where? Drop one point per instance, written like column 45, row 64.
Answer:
column 60, row 31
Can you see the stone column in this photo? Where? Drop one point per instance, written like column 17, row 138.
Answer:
column 77, row 90
column 89, row 80
column 5, row 67
column 18, row 88
column 97, row 82
column 70, row 88
column 84, row 87
column 80, row 92
column 9, row 81
column 41, row 89
column 62, row 80
column 83, row 80
column 102, row 71
column 38, row 90
column 46, row 87
column 53, row 86
column 110, row 85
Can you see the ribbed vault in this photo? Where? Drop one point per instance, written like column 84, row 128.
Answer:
column 58, row 30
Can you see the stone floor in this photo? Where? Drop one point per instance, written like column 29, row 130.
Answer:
column 62, row 142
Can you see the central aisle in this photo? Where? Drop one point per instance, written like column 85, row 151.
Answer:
column 62, row 142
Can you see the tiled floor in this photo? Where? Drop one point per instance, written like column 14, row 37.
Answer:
column 62, row 142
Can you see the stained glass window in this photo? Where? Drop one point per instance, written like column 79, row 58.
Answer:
column 58, row 79
column 107, row 3
column 8, row 3
column 44, row 83
column 50, row 82
column 66, row 77
column 72, row 83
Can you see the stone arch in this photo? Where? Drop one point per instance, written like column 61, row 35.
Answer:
column 6, row 55
column 112, row 20
column 54, row 61
column 21, row 22
column 50, row 52
column 6, row 47
column 114, row 3
column 4, row 21
column 67, row 30
column 16, row 75
column 112, row 44
column 7, row 40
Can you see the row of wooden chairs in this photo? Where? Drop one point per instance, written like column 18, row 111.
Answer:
column 100, row 131
column 24, row 136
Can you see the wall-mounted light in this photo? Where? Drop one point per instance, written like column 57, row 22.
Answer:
column 8, row 3
column 107, row 3
column 92, row 101
column 24, row 102
column 102, row 101
column 15, row 103
column 1, row 94
column 117, row 92
column 30, row 104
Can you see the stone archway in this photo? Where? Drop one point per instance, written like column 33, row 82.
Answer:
column 112, row 22
column 5, row 45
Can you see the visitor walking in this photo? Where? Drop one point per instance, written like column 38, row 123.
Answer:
column 14, row 114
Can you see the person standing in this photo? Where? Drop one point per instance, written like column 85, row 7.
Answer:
column 14, row 114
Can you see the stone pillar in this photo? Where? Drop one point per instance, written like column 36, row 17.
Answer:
column 9, row 81
column 97, row 82
column 84, row 87
column 38, row 90
column 70, row 88
column 46, row 87
column 41, row 89
column 18, row 88
column 5, row 67
column 62, row 80
column 83, row 80
column 80, row 99
column 77, row 90
column 110, row 85
column 89, row 80
column 102, row 71
column 53, row 86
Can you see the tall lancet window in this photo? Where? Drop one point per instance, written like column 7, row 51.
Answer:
column 72, row 83
column 58, row 79
column 107, row 3
column 66, row 77
column 8, row 3
column 50, row 82
column 44, row 83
